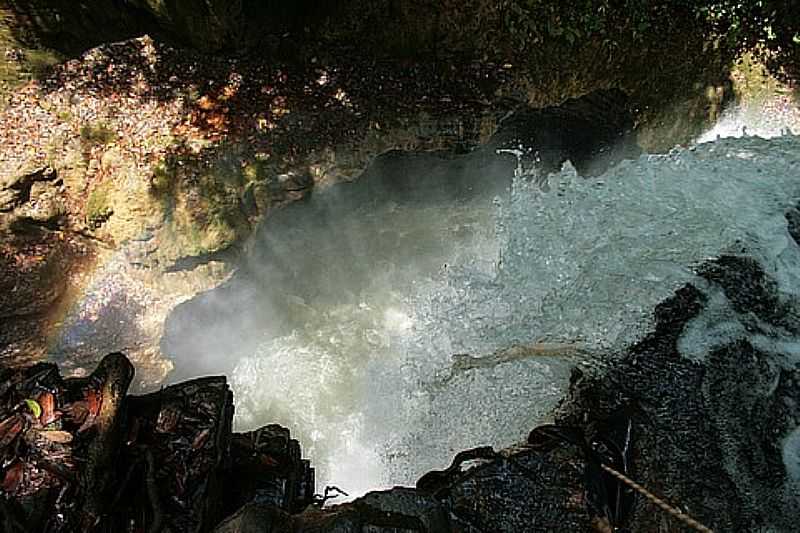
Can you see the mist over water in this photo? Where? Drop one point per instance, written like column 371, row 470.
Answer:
column 319, row 320
column 346, row 282
column 344, row 319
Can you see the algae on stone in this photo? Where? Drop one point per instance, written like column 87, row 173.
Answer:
column 98, row 204
column 96, row 134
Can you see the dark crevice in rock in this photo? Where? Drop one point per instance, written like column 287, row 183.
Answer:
column 228, row 255
column 593, row 132
column 28, row 225
column 22, row 185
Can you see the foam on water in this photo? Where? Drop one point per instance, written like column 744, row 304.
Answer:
column 369, row 386
column 775, row 117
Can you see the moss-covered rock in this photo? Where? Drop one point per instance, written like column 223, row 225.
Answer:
column 96, row 134
column 98, row 205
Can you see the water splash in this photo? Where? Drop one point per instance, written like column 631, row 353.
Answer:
column 369, row 383
column 764, row 107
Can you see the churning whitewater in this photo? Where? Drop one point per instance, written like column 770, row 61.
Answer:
column 411, row 329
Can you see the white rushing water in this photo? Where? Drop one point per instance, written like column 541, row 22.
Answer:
column 366, row 379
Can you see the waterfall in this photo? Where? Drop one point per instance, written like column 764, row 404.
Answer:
column 376, row 297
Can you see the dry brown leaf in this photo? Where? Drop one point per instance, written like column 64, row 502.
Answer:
column 61, row 437
column 13, row 477
column 48, row 404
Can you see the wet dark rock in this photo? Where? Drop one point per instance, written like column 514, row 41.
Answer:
column 593, row 132
column 516, row 490
column 709, row 424
column 256, row 518
column 793, row 220
column 269, row 469
column 752, row 292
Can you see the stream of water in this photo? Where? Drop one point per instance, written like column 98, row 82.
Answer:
column 438, row 304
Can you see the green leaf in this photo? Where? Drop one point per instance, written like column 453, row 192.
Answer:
column 34, row 406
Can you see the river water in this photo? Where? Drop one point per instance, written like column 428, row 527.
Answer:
column 345, row 318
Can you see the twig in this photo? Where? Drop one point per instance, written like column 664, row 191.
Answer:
column 8, row 520
column 321, row 499
column 123, row 485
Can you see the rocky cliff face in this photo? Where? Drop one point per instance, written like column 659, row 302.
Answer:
column 138, row 172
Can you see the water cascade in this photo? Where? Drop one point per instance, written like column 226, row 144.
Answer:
column 391, row 326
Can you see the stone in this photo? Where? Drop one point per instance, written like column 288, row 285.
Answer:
column 8, row 199
column 19, row 188
column 45, row 205
column 256, row 518
column 710, row 425
column 269, row 469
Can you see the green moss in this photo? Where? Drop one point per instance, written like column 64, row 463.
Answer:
column 98, row 205
column 97, row 134
column 64, row 115
column 39, row 62
column 19, row 62
column 163, row 180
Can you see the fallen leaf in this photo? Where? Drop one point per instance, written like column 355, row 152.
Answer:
column 9, row 429
column 34, row 406
column 48, row 403
column 13, row 477
column 94, row 401
column 206, row 103
column 200, row 439
column 267, row 460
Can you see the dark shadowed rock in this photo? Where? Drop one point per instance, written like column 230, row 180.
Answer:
column 712, row 422
column 593, row 132
column 256, row 518
column 176, row 448
column 268, row 468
